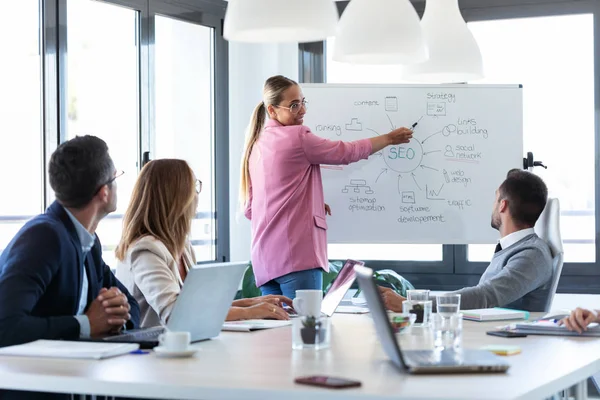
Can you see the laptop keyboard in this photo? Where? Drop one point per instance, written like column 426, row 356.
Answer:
column 144, row 335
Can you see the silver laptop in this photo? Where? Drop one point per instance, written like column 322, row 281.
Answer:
column 421, row 361
column 336, row 292
column 200, row 308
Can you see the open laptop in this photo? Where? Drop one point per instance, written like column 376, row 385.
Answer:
column 340, row 285
column 200, row 308
column 421, row 361
column 336, row 292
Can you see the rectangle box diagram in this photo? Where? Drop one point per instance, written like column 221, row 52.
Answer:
column 391, row 103
column 408, row 197
column 437, row 108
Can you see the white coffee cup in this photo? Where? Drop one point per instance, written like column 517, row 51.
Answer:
column 174, row 341
column 308, row 302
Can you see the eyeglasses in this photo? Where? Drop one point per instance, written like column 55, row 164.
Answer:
column 295, row 108
column 198, row 186
column 111, row 180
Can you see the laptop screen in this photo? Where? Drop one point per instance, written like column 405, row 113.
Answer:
column 339, row 287
column 383, row 328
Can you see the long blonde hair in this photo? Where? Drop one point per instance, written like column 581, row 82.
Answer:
column 273, row 91
column 162, row 205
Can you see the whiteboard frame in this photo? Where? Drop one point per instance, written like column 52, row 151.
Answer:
column 512, row 86
column 411, row 85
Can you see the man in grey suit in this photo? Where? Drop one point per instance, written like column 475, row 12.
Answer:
column 520, row 273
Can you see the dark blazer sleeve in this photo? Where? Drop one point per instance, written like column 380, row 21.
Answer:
column 24, row 279
column 109, row 280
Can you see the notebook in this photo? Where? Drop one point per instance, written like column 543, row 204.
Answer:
column 494, row 314
column 351, row 310
column 68, row 349
column 551, row 327
column 253, row 325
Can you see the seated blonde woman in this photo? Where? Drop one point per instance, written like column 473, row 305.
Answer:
column 154, row 252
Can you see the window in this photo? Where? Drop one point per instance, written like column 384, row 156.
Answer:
column 184, row 114
column 21, row 156
column 558, row 81
column 553, row 57
column 348, row 73
column 102, row 83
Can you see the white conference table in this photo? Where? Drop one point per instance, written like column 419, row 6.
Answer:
column 262, row 366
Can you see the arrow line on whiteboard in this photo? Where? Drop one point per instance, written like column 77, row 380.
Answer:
column 433, row 151
column 415, row 179
column 437, row 133
column 375, row 132
column 425, row 166
column 391, row 123
column 383, row 171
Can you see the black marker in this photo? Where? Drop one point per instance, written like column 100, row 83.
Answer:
column 415, row 124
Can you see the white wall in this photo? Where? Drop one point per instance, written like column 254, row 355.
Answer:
column 249, row 66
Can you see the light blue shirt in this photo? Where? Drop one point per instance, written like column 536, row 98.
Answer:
column 87, row 242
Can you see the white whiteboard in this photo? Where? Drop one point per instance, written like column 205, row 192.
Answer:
column 440, row 187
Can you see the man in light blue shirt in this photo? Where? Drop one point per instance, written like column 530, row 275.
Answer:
column 54, row 283
column 87, row 242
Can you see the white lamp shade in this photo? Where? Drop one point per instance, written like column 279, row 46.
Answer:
column 454, row 55
column 379, row 32
column 276, row 21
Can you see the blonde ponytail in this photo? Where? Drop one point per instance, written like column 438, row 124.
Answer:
column 273, row 91
column 256, row 126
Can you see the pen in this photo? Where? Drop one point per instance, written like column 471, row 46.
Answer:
column 139, row 352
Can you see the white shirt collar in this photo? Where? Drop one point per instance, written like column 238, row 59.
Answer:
column 514, row 237
column 86, row 239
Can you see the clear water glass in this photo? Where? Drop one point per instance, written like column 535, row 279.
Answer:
column 448, row 304
column 417, row 295
column 447, row 331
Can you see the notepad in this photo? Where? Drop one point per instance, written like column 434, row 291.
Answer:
column 494, row 314
column 253, row 325
column 69, row 349
column 351, row 310
column 502, row 350
column 551, row 327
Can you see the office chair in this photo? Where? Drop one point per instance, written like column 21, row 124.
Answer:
column 548, row 228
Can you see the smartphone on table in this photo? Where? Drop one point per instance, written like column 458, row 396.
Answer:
column 506, row 334
column 328, row 382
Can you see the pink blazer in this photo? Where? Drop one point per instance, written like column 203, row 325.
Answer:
column 286, row 204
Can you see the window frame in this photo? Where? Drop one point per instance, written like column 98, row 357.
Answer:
column 457, row 271
column 54, row 53
column 189, row 13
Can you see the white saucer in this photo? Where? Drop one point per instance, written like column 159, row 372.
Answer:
column 162, row 352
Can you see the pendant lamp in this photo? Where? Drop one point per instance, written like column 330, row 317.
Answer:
column 454, row 55
column 379, row 32
column 277, row 21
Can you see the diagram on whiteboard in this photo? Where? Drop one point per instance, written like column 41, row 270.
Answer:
column 465, row 139
column 419, row 155
column 357, row 186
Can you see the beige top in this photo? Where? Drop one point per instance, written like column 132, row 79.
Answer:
column 151, row 274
